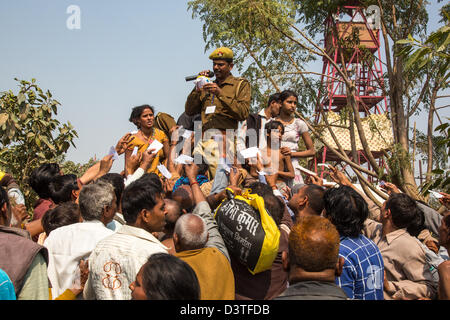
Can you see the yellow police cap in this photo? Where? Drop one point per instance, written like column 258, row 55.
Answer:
column 222, row 53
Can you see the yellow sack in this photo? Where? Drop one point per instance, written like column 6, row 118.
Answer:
column 248, row 230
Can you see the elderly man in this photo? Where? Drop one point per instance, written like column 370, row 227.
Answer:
column 198, row 242
column 313, row 261
column 69, row 244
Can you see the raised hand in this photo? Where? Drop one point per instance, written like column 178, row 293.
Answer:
column 123, row 143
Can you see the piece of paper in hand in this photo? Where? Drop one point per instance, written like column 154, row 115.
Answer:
column 184, row 159
column 250, row 152
column 162, row 168
column 328, row 183
column 187, row 134
column 201, row 81
column 277, row 193
column 155, row 145
column 437, row 195
column 113, row 152
column 324, row 165
column 135, row 151
column 307, row 171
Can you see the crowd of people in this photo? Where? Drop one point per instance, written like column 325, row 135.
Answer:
column 151, row 231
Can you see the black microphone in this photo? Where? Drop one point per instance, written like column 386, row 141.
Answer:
column 190, row 78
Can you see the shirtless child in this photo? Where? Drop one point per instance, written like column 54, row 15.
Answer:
column 272, row 161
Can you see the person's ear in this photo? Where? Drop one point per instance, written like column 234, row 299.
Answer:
column 4, row 213
column 109, row 211
column 75, row 194
column 176, row 242
column 146, row 215
column 302, row 202
column 285, row 261
column 339, row 266
column 387, row 213
column 184, row 211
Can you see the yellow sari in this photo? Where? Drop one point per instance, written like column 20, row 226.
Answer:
column 142, row 146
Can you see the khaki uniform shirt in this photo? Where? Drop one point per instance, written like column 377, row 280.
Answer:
column 232, row 106
column 404, row 262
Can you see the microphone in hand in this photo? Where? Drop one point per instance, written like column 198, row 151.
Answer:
column 190, row 78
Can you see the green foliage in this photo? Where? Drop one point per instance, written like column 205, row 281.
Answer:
column 433, row 55
column 441, row 176
column 440, row 150
column 70, row 167
column 398, row 159
column 29, row 133
column 436, row 48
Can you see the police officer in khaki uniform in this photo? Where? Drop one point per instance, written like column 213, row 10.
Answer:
column 224, row 102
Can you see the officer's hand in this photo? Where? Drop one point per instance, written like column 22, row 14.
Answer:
column 212, row 88
column 203, row 73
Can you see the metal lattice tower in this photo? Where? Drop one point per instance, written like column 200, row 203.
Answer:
column 358, row 40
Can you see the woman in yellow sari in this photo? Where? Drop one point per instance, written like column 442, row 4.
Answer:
column 144, row 118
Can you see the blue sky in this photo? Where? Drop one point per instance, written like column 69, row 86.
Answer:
column 126, row 53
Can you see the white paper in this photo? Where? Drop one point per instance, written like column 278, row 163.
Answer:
column 156, row 145
column 184, row 159
column 201, row 81
column 277, row 192
column 187, row 134
column 307, row 171
column 210, row 109
column 437, row 195
column 135, row 151
column 324, row 165
column 328, row 183
column 162, row 168
column 113, row 152
column 250, row 152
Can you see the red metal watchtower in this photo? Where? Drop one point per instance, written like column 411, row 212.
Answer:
column 358, row 40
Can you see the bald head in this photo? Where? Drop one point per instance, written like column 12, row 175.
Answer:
column 190, row 233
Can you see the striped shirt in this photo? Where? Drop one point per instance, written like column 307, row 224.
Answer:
column 363, row 271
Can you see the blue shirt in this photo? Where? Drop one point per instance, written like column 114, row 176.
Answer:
column 363, row 271
column 7, row 291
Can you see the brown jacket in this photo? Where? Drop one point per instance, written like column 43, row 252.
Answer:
column 17, row 252
column 232, row 106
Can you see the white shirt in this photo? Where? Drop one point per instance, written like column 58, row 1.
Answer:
column 68, row 245
column 115, row 262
